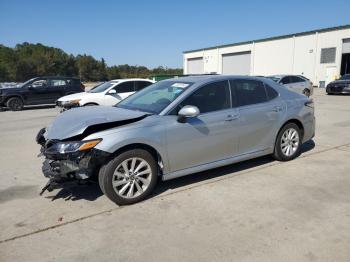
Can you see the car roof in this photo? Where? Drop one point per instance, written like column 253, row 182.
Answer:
column 131, row 79
column 206, row 78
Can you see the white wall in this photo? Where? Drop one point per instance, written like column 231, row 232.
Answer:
column 293, row 55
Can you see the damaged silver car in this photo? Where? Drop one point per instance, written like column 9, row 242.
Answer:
column 174, row 128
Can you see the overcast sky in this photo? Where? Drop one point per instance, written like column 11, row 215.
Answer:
column 155, row 32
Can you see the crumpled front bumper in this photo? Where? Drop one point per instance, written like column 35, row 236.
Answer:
column 62, row 168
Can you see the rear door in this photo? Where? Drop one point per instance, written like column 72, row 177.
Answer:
column 259, row 110
column 56, row 89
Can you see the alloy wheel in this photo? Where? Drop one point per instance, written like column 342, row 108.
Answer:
column 290, row 142
column 132, row 177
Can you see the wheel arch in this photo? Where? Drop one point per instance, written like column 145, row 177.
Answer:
column 12, row 96
column 91, row 103
column 294, row 121
column 153, row 151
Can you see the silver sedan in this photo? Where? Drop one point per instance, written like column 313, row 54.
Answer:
column 174, row 128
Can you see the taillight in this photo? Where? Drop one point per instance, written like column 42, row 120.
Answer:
column 309, row 103
column 82, row 87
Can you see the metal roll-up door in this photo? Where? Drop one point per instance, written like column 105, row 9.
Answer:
column 195, row 65
column 236, row 63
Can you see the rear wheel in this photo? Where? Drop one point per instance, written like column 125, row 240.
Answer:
column 288, row 143
column 15, row 104
column 306, row 92
column 130, row 177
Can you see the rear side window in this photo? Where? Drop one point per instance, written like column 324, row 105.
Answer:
column 295, row 79
column 57, row 82
column 249, row 92
column 141, row 85
column 209, row 98
column 271, row 93
column 125, row 87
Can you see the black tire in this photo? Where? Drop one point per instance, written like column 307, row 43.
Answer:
column 15, row 104
column 278, row 153
column 106, row 176
column 306, row 92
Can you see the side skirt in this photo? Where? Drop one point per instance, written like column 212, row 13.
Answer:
column 215, row 164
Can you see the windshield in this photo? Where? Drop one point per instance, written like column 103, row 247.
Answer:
column 345, row 77
column 102, row 87
column 154, row 98
column 26, row 82
column 274, row 78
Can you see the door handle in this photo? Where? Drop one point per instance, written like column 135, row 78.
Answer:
column 231, row 117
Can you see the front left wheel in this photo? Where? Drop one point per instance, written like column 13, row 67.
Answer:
column 15, row 104
column 130, row 177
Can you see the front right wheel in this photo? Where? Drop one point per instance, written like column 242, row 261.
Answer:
column 288, row 143
column 130, row 177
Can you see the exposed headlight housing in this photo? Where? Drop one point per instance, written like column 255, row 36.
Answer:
column 72, row 147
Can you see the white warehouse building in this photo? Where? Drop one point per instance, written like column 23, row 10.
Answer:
column 320, row 55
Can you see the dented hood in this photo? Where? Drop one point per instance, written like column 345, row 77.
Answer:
column 87, row 120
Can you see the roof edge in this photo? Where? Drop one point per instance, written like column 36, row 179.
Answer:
column 328, row 29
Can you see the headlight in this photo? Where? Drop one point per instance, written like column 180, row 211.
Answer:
column 71, row 102
column 72, row 147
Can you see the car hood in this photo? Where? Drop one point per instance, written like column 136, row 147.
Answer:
column 10, row 88
column 77, row 96
column 84, row 121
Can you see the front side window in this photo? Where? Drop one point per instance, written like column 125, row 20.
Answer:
column 39, row 83
column 209, row 98
column 249, row 92
column 125, row 87
column 156, row 97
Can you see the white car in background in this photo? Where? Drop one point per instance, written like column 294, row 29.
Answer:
column 296, row 83
column 106, row 94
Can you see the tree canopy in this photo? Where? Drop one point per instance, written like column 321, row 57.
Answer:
column 26, row 61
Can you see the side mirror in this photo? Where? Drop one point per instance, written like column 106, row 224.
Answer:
column 30, row 87
column 112, row 92
column 187, row 112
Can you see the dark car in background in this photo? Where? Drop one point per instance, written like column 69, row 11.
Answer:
column 39, row 91
column 340, row 86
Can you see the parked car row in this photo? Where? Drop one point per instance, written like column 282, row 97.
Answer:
column 107, row 94
column 296, row 83
column 38, row 91
column 173, row 128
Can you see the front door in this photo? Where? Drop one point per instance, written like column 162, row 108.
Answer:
column 211, row 136
column 37, row 91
